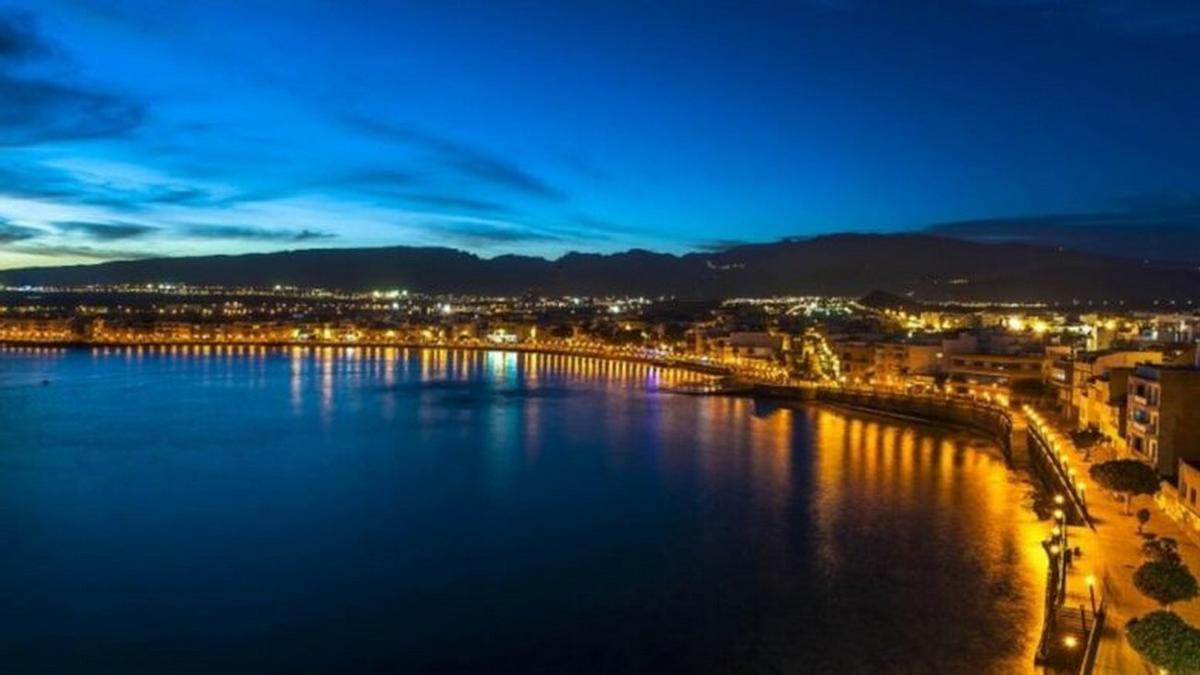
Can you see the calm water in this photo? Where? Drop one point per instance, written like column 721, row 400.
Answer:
column 392, row 511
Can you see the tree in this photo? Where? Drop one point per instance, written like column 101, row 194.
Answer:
column 1167, row 641
column 1165, row 582
column 1143, row 517
column 1087, row 439
column 1127, row 476
column 1163, row 549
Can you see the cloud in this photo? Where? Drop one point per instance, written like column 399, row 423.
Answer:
column 109, row 231
column 36, row 110
column 248, row 233
column 18, row 38
column 33, row 112
column 719, row 245
column 40, row 182
column 32, row 181
column 464, row 159
column 1163, row 229
column 89, row 252
column 397, row 186
column 485, row 234
column 10, row 233
column 456, row 202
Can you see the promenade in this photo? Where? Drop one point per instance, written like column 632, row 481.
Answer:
column 1111, row 552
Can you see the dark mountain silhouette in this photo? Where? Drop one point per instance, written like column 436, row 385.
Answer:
column 917, row 267
column 885, row 300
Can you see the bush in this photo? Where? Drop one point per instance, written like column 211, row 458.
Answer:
column 1163, row 549
column 1143, row 517
column 1165, row 640
column 1165, row 582
column 1086, row 438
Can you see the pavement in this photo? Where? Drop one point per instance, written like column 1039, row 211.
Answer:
column 1110, row 554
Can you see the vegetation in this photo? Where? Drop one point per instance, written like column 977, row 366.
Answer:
column 1168, row 642
column 1165, row 582
column 1163, row 549
column 1127, row 476
column 1086, row 438
column 1143, row 517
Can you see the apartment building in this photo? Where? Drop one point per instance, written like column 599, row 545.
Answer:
column 995, row 377
column 906, row 363
column 1162, row 425
column 1075, row 379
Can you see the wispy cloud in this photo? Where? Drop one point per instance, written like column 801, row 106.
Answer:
column 456, row 202
column 460, row 157
column 18, row 41
column 249, row 233
column 719, row 245
column 485, row 234
column 106, row 231
column 10, row 232
column 51, row 250
column 30, row 180
column 35, row 109
column 1157, row 228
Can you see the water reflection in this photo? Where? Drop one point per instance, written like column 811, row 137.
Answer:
column 441, row 510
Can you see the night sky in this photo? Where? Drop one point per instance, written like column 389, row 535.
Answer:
column 130, row 129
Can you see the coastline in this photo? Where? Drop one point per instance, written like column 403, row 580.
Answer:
column 1001, row 427
column 697, row 367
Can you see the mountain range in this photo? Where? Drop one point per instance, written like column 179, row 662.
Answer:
column 922, row 267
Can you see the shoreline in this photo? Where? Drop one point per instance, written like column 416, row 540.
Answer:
column 692, row 366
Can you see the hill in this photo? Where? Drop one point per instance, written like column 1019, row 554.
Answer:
column 918, row 267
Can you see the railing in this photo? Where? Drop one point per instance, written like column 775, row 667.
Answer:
column 1093, row 641
column 988, row 418
column 1057, row 466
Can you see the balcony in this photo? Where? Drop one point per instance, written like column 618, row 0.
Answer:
column 1143, row 428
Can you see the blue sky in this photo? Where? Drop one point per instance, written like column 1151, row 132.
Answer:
column 130, row 129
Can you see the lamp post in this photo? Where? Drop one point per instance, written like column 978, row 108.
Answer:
column 1062, row 521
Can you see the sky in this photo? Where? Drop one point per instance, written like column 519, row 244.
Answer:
column 134, row 129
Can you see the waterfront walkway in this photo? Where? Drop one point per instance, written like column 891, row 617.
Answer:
column 1110, row 555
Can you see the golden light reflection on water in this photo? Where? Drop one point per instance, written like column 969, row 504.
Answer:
column 863, row 496
column 872, row 473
